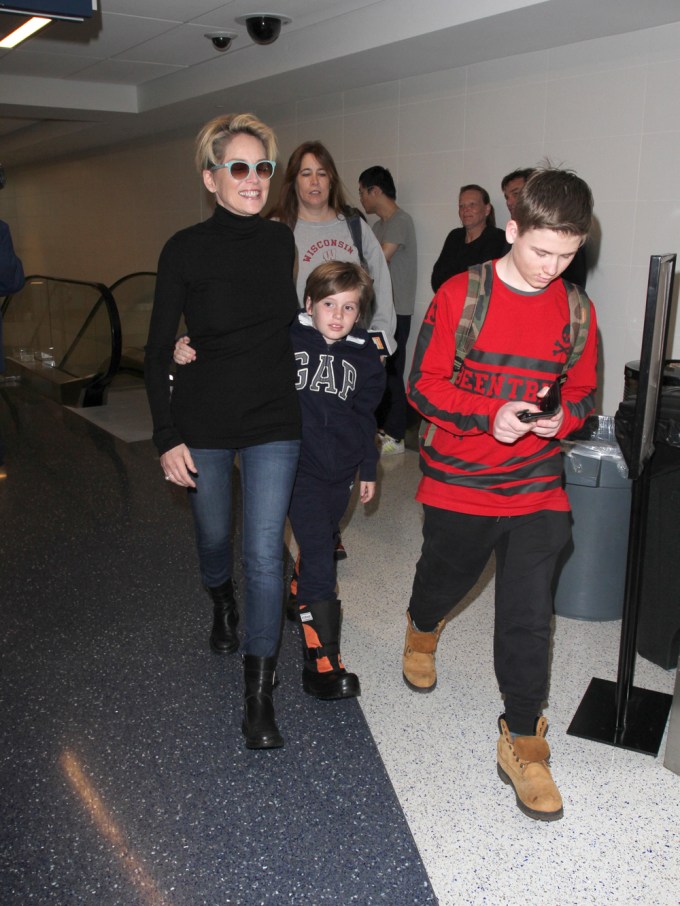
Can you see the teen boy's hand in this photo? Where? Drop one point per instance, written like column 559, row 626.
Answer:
column 548, row 427
column 507, row 428
column 366, row 491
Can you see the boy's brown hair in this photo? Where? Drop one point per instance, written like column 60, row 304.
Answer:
column 335, row 277
column 553, row 199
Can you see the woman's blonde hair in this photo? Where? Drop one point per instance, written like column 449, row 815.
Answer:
column 218, row 132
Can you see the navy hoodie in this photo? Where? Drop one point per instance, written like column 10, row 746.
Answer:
column 339, row 388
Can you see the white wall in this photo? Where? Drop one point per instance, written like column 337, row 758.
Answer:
column 607, row 108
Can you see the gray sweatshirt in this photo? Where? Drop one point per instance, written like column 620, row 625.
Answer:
column 332, row 241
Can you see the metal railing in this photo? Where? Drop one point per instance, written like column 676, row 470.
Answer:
column 70, row 338
column 64, row 336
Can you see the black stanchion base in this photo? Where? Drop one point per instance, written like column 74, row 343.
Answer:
column 646, row 717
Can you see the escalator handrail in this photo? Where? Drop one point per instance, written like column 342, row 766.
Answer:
column 120, row 280
column 101, row 379
column 107, row 298
column 114, row 286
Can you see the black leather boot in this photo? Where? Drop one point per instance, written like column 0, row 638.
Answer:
column 324, row 675
column 223, row 638
column 259, row 723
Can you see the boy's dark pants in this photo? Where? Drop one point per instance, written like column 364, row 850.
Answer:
column 315, row 512
column 456, row 548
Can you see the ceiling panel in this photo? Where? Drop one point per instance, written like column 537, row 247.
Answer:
column 169, row 74
column 184, row 45
column 47, row 65
column 179, row 10
column 102, row 36
column 125, row 72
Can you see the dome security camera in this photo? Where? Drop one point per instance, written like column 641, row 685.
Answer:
column 263, row 28
column 221, row 40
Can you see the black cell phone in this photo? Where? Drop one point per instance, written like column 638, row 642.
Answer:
column 548, row 404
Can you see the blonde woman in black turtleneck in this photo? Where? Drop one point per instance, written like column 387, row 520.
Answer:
column 231, row 277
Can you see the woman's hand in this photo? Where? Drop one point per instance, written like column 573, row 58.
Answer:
column 366, row 491
column 183, row 354
column 179, row 467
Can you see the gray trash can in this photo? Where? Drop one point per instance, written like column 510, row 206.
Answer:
column 591, row 574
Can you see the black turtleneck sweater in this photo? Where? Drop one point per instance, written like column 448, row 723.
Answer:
column 232, row 279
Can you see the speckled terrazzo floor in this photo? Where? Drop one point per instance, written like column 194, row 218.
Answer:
column 124, row 778
column 619, row 841
column 123, row 772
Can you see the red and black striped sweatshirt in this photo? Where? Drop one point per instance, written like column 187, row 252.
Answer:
column 523, row 345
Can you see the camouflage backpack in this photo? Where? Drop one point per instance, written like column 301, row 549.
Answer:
column 480, row 281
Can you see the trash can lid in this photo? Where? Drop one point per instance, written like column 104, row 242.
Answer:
column 671, row 371
column 666, row 428
column 596, row 428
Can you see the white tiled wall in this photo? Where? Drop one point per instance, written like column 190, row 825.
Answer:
column 607, row 108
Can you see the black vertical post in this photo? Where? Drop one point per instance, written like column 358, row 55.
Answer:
column 618, row 713
column 631, row 604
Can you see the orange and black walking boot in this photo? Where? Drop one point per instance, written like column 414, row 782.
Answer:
column 324, row 675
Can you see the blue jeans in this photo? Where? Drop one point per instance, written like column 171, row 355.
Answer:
column 267, row 477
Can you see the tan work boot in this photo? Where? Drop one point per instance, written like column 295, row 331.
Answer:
column 523, row 762
column 418, row 665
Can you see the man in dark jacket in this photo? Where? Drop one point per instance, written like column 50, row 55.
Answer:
column 11, row 281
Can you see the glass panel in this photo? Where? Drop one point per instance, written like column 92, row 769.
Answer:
column 134, row 300
column 134, row 295
column 59, row 324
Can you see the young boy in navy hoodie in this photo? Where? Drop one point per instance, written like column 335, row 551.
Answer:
column 341, row 381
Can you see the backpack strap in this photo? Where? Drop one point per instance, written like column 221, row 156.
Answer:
column 579, row 322
column 354, row 225
column 475, row 307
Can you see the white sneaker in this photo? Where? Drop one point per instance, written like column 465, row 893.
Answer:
column 390, row 446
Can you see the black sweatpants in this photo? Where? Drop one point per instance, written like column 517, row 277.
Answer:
column 315, row 512
column 456, row 548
